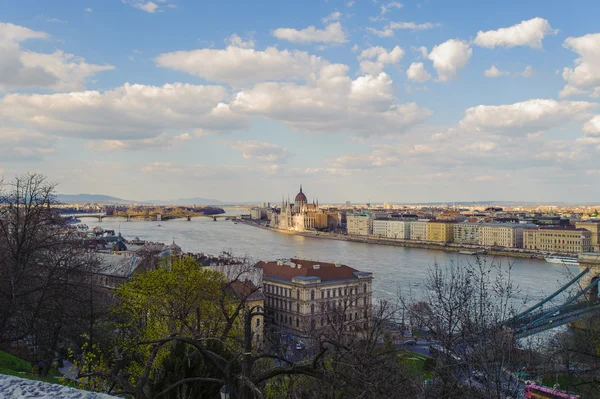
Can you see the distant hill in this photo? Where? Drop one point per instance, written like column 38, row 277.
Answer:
column 188, row 201
column 107, row 199
column 97, row 198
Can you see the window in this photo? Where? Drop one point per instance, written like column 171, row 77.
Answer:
column 322, row 322
column 312, row 295
column 345, row 291
column 297, row 322
column 328, row 293
column 258, row 322
column 298, row 308
column 350, row 316
column 322, row 294
column 298, row 294
column 340, row 291
column 365, row 288
column 312, row 308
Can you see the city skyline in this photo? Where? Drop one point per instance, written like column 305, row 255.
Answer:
column 405, row 102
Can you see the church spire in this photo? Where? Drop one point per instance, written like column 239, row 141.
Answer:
column 301, row 188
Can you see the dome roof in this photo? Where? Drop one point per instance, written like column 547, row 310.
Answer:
column 300, row 197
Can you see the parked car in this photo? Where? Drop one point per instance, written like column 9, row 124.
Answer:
column 410, row 342
column 300, row 345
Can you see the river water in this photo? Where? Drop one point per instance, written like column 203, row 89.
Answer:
column 392, row 267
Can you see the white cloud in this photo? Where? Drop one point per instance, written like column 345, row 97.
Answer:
column 417, row 72
column 23, row 69
column 388, row 30
column 584, row 78
column 493, row 72
column 24, row 144
column 592, row 127
column 236, row 65
column 381, row 33
column 333, row 33
column 333, row 103
column 350, row 3
column 527, row 72
column 524, row 117
column 131, row 111
column 412, row 25
column 160, row 142
column 374, row 59
column 236, row 41
column 88, row 9
column 334, row 16
column 450, row 57
column 260, row 151
column 527, row 33
column 143, row 5
column 386, row 8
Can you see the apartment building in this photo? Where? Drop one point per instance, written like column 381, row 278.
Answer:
column 508, row 235
column 359, row 224
column 303, row 295
column 467, row 233
column 418, row 230
column 399, row 229
column 440, row 231
column 558, row 239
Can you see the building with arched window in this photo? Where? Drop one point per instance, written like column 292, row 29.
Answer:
column 303, row 294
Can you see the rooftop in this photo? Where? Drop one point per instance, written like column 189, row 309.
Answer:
column 287, row 269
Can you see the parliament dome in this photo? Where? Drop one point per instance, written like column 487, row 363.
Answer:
column 300, row 197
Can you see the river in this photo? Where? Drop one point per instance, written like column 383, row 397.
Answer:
column 393, row 267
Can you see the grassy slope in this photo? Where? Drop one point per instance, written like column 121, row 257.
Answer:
column 12, row 365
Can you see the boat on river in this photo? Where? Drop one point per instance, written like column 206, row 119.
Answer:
column 564, row 260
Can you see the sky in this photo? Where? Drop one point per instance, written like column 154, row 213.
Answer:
column 411, row 101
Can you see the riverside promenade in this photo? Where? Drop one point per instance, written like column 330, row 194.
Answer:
column 447, row 247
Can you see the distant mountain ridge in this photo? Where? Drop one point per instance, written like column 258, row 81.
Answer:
column 107, row 199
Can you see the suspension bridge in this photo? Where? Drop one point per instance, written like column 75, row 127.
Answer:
column 545, row 315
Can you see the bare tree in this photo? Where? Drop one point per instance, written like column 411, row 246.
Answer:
column 41, row 268
column 465, row 306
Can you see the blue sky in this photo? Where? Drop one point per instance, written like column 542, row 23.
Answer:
column 367, row 100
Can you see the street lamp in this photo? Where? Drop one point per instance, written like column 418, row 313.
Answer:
column 223, row 392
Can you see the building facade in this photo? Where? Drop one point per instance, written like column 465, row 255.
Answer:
column 594, row 228
column 509, row 235
column 418, row 230
column 440, row 231
column 398, row 229
column 558, row 239
column 359, row 224
column 303, row 295
column 467, row 233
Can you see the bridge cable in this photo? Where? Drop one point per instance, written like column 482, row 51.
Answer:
column 545, row 300
column 551, row 312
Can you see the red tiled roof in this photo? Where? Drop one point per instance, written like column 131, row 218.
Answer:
column 326, row 271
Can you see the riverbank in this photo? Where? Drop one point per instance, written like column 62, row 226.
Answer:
column 468, row 250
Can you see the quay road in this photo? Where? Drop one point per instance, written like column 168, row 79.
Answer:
column 393, row 267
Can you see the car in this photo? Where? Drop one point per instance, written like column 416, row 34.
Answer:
column 300, row 346
column 410, row 342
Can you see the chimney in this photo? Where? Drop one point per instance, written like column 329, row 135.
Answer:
column 316, row 267
column 337, row 264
